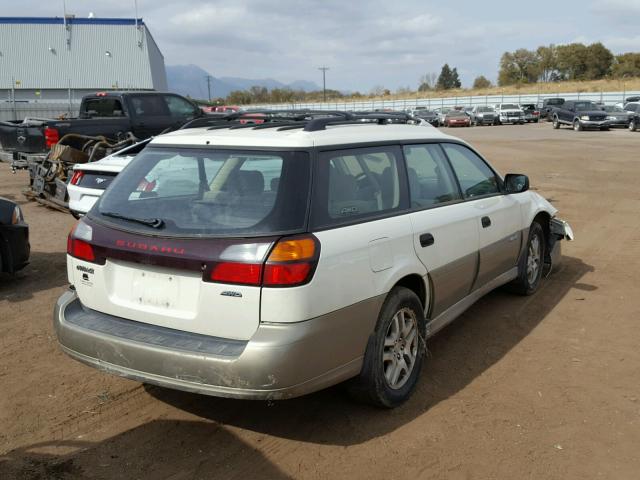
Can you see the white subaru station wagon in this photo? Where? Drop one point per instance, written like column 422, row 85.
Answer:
column 267, row 262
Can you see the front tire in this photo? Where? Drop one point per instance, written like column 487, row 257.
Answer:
column 395, row 352
column 556, row 123
column 632, row 126
column 532, row 262
column 577, row 126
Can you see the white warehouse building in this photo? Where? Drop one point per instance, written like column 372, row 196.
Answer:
column 60, row 59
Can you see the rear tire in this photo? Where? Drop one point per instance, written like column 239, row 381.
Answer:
column 532, row 262
column 395, row 352
column 556, row 123
column 632, row 126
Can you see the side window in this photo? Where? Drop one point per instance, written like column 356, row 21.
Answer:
column 150, row 106
column 103, row 107
column 431, row 181
column 474, row 175
column 179, row 107
column 357, row 183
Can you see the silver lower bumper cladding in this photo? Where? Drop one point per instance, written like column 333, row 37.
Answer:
column 279, row 361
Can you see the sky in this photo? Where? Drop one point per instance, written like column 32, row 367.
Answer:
column 365, row 43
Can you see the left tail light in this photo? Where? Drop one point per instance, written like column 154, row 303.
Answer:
column 79, row 243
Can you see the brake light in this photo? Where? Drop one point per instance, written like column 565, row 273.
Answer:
column 101, row 94
column 286, row 274
column 77, row 176
column 239, row 273
column 51, row 136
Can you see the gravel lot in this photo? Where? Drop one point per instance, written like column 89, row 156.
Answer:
column 543, row 387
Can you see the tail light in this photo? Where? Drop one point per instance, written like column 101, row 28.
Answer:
column 51, row 136
column 292, row 262
column 77, row 176
column 78, row 245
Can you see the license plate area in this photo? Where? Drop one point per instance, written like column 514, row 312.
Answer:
column 152, row 289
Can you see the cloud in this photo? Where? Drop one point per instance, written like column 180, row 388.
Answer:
column 364, row 42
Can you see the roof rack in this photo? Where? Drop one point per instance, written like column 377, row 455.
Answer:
column 309, row 120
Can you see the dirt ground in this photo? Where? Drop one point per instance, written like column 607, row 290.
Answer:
column 542, row 387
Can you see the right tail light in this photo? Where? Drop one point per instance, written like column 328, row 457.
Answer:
column 292, row 262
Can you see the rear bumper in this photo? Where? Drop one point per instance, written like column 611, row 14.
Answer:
column 81, row 200
column 279, row 361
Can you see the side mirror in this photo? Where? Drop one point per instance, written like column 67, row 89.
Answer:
column 516, row 183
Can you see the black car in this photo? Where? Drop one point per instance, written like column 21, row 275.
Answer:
column 427, row 115
column 616, row 116
column 547, row 105
column 14, row 237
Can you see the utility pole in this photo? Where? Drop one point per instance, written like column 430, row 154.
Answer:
column 208, row 77
column 324, row 82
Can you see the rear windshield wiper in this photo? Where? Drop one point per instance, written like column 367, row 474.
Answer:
column 151, row 222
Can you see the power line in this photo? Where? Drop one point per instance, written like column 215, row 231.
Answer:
column 324, row 82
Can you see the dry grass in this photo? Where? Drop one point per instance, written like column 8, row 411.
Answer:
column 628, row 84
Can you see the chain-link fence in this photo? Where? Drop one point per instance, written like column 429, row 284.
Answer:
column 607, row 98
column 19, row 110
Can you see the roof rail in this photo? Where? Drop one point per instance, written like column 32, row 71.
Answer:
column 309, row 120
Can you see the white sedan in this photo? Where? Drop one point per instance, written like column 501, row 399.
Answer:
column 90, row 180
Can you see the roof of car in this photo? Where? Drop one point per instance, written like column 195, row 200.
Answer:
column 299, row 138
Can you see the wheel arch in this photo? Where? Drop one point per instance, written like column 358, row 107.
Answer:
column 415, row 283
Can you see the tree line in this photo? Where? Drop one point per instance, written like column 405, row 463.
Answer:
column 552, row 63
column 575, row 61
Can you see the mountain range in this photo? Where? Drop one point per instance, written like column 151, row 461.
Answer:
column 191, row 80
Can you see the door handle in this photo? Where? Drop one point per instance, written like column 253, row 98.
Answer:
column 426, row 239
column 486, row 222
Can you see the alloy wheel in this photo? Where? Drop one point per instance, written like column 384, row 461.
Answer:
column 400, row 348
column 533, row 260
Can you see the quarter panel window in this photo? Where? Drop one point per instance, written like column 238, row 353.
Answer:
column 474, row 175
column 357, row 184
column 431, row 181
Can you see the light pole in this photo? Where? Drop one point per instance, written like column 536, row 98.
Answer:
column 324, row 83
column 208, row 77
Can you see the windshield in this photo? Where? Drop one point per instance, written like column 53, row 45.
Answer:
column 484, row 109
column 613, row 109
column 184, row 192
column 509, row 106
column 583, row 106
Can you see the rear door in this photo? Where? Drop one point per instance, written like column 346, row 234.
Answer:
column 497, row 217
column 445, row 235
column 150, row 114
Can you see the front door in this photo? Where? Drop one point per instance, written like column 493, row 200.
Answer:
column 497, row 216
column 444, row 227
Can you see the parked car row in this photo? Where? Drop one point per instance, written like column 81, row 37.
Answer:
column 579, row 114
column 584, row 115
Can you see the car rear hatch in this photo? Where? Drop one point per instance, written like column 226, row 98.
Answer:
column 199, row 267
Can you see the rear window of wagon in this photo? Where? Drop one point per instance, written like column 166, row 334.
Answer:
column 210, row 192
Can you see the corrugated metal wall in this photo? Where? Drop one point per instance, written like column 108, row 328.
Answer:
column 48, row 56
